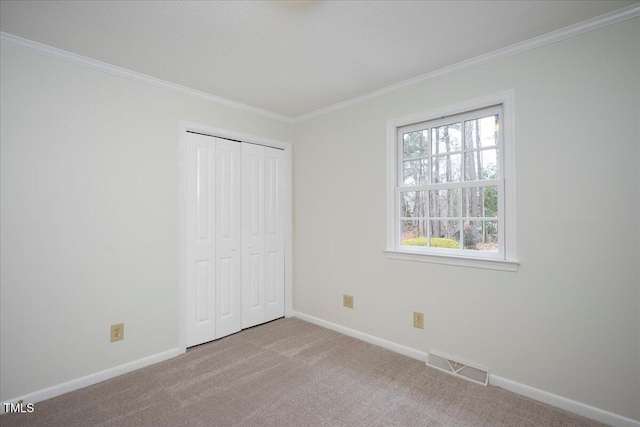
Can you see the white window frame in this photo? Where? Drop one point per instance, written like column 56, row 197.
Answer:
column 506, row 259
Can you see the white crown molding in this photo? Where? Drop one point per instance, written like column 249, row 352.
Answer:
column 545, row 39
column 534, row 43
column 83, row 61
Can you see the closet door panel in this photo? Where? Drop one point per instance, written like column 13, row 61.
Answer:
column 274, row 233
column 201, row 271
column 253, row 236
column 228, row 237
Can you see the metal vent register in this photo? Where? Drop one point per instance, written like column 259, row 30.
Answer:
column 459, row 368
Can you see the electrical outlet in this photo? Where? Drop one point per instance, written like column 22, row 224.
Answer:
column 418, row 320
column 347, row 301
column 117, row 332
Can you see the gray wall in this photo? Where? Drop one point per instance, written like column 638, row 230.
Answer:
column 89, row 218
column 90, row 212
column 567, row 322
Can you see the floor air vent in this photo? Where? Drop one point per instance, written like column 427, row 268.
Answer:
column 454, row 366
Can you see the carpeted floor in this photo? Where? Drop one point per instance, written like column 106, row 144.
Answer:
column 291, row 373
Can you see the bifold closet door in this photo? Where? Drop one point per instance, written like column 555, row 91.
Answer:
column 262, row 234
column 228, row 237
column 213, row 238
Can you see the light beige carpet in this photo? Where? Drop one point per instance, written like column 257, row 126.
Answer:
column 291, row 373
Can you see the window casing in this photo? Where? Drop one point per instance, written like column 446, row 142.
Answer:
column 451, row 193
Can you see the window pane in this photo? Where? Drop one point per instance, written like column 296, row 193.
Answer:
column 413, row 204
column 415, row 172
column 476, row 198
column 490, row 201
column 415, row 143
column 481, row 235
column 446, row 138
column 414, row 232
column 444, row 203
column 481, row 133
column 481, row 165
column 446, row 168
column 472, row 232
column 472, row 201
column 490, row 235
column 444, row 234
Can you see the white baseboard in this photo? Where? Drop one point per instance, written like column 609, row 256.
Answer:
column 57, row 390
column 389, row 345
column 573, row 406
column 494, row 380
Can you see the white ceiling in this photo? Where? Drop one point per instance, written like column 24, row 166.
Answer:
column 289, row 58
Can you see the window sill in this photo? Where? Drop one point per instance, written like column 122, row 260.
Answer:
column 490, row 264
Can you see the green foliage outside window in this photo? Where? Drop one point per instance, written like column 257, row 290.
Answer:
column 436, row 242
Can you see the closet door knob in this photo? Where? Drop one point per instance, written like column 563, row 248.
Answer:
column 233, row 249
column 250, row 245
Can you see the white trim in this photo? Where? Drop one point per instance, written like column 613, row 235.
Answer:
column 510, row 261
column 83, row 61
column 389, row 345
column 288, row 233
column 495, row 380
column 572, row 406
column 57, row 390
column 288, row 253
column 230, row 134
column 534, row 43
column 182, row 238
column 487, row 263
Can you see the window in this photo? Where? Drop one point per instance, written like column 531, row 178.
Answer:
column 451, row 185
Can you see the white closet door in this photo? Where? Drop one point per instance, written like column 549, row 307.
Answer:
column 201, row 242
column 253, row 236
column 274, row 233
column 263, row 234
column 228, row 237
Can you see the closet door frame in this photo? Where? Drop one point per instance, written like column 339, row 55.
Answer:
column 186, row 127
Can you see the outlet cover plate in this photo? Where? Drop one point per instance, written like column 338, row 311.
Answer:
column 117, row 332
column 347, row 301
column 418, row 320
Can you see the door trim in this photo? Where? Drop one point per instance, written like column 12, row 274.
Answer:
column 185, row 127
